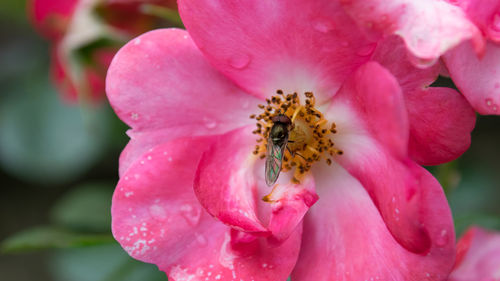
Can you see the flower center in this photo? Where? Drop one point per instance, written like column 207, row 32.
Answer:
column 309, row 134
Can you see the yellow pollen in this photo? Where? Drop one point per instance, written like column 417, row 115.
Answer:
column 310, row 137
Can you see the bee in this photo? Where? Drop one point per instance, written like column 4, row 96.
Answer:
column 276, row 145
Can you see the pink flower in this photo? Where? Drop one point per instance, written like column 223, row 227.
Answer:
column 478, row 257
column 188, row 199
column 86, row 34
column 478, row 77
column 465, row 32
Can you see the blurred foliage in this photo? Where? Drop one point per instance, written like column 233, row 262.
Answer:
column 44, row 140
column 101, row 263
column 85, row 208
column 47, row 237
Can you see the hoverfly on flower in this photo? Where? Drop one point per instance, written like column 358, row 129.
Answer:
column 276, row 145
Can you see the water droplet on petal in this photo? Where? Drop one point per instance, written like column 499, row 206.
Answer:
column 191, row 213
column 489, row 102
column 245, row 104
column 209, row 123
column 239, row 61
column 201, row 239
column 137, row 41
column 495, row 108
column 157, row 212
column 443, row 238
column 323, row 26
column 134, row 116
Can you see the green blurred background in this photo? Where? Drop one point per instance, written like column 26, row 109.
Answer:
column 59, row 163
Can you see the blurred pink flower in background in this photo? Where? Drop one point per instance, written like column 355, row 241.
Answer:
column 374, row 213
column 86, row 34
column 478, row 256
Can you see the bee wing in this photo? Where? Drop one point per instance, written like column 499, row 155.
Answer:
column 273, row 161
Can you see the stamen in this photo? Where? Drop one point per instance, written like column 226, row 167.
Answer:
column 310, row 135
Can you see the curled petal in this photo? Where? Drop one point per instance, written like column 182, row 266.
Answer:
column 295, row 45
column 441, row 121
column 161, row 81
column 157, row 219
column 391, row 53
column 428, row 27
column 373, row 95
column 345, row 238
column 477, row 78
column 478, row 256
column 225, row 182
column 485, row 14
column 372, row 131
column 290, row 202
column 227, row 186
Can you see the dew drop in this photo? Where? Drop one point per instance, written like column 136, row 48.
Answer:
column 191, row 214
column 137, row 41
column 366, row 50
column 422, row 62
column 209, row 123
column 157, row 212
column 443, row 238
column 323, row 26
column 134, row 116
column 245, row 104
column 489, row 102
column 239, row 61
column 201, row 239
column 495, row 108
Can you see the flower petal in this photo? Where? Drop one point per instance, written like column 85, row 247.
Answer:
column 428, row 27
column 441, row 121
column 345, row 238
column 160, row 81
column 373, row 95
column 477, row 78
column 290, row 202
column 478, row 256
column 392, row 54
column 485, row 14
column 157, row 219
column 225, row 184
column 229, row 184
column 295, row 45
column 440, row 118
column 372, row 132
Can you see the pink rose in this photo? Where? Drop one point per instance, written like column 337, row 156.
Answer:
column 191, row 178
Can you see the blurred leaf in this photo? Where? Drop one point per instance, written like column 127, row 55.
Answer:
column 171, row 15
column 45, row 141
column 101, row 263
column 13, row 10
column 447, row 174
column 85, row 207
column 46, row 237
column 462, row 223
